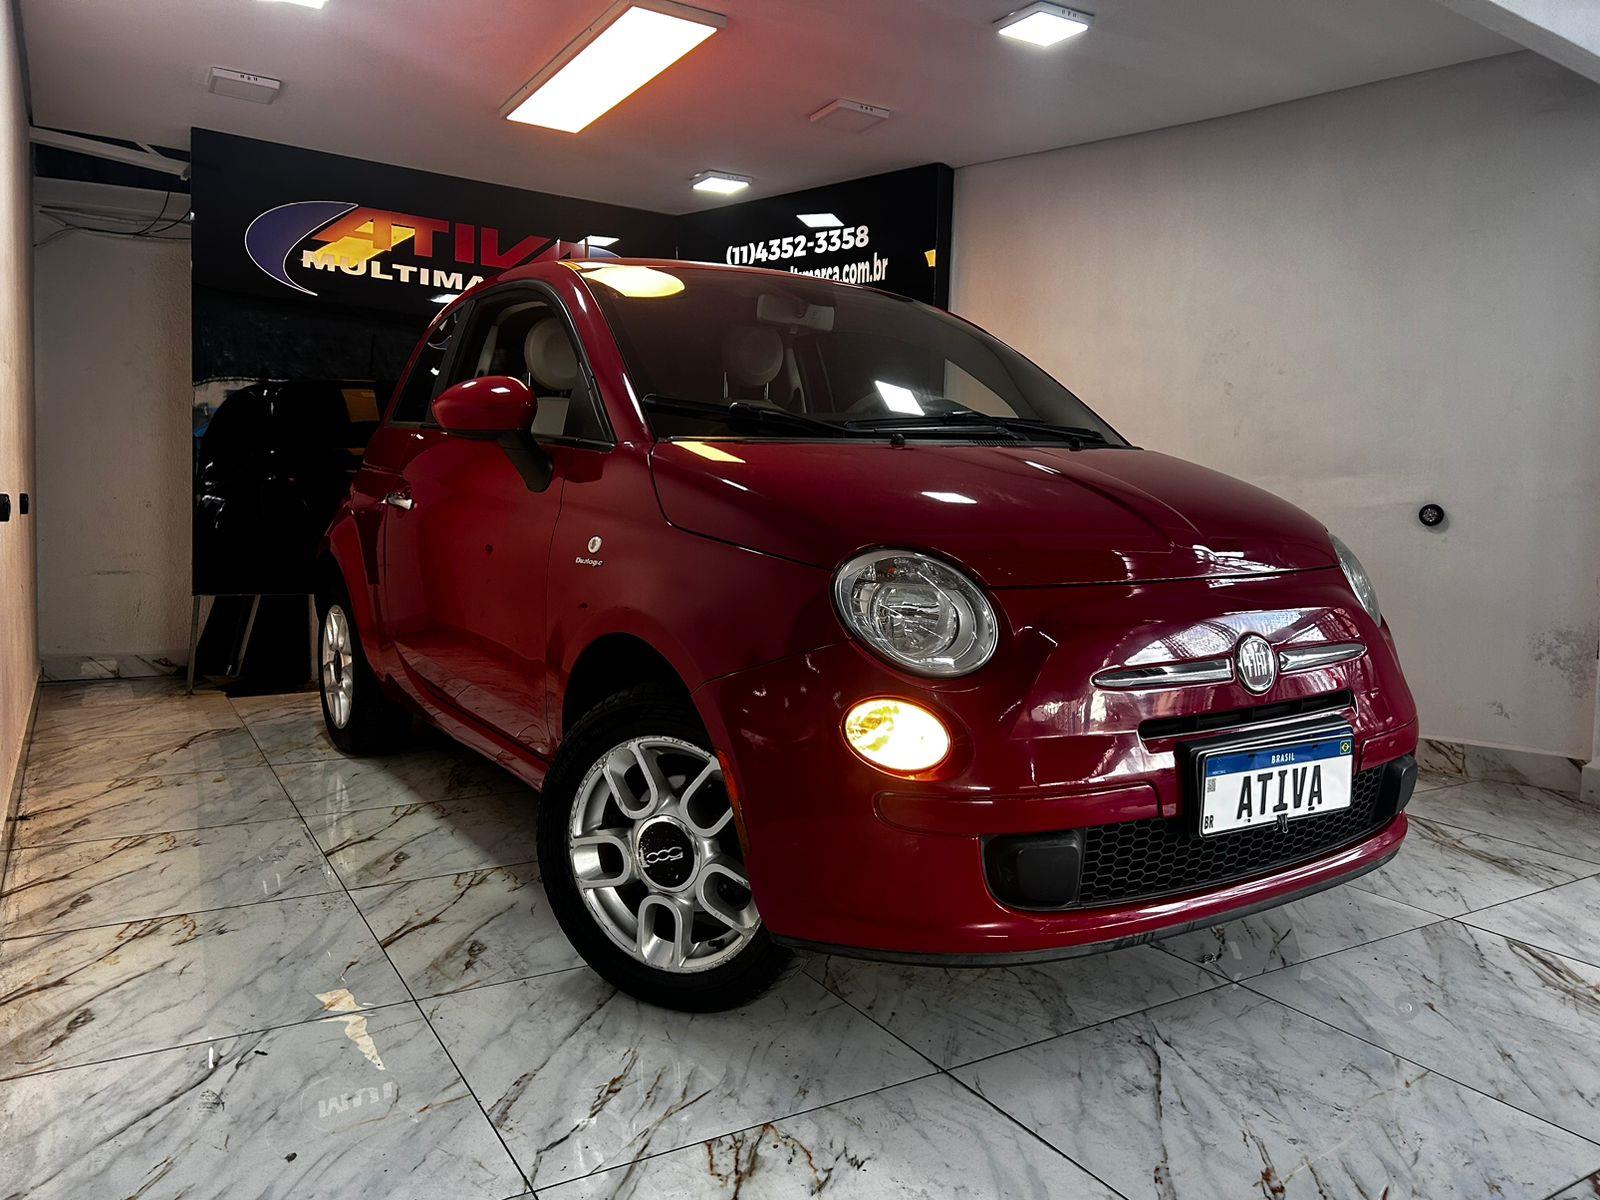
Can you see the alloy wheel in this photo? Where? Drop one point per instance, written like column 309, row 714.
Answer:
column 338, row 663
column 656, row 857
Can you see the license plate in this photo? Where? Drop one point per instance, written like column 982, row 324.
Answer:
column 1264, row 785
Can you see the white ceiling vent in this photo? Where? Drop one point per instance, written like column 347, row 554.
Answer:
column 242, row 85
column 850, row 116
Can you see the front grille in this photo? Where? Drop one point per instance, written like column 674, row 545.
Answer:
column 1140, row 860
column 1158, row 728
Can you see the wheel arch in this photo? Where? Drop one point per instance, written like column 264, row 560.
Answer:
column 612, row 663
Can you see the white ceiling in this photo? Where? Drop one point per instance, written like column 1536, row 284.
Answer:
column 420, row 82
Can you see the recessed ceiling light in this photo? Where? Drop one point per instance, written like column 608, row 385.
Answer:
column 445, row 297
column 720, row 182
column 1043, row 24
column 820, row 221
column 594, row 239
column 301, row 3
column 631, row 43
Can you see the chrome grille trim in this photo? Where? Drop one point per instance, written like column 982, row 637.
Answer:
column 1309, row 658
column 1167, row 675
column 1220, row 670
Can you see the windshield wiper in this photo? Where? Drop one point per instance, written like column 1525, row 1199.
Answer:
column 737, row 412
column 964, row 417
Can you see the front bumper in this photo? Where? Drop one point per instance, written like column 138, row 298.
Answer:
column 1156, row 922
column 845, row 857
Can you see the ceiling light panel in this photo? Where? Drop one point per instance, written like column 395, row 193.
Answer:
column 631, row 43
column 1043, row 24
column 720, row 182
column 820, row 221
column 850, row 116
column 242, row 85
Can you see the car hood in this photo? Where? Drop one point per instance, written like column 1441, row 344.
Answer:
column 1015, row 516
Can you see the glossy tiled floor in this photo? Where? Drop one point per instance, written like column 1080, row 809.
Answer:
column 236, row 964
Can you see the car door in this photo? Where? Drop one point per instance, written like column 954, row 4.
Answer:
column 467, row 537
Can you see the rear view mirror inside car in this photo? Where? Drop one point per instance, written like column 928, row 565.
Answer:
column 774, row 309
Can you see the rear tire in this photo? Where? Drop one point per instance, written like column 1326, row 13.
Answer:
column 360, row 718
column 635, row 805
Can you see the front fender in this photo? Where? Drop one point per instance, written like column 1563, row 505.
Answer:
column 709, row 608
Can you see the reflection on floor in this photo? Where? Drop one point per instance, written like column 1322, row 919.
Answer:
column 235, row 963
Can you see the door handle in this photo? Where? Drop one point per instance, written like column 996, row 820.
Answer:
column 400, row 500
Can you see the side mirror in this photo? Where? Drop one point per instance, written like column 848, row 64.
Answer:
column 488, row 407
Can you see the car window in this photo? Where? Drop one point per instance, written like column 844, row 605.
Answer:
column 862, row 374
column 524, row 336
column 411, row 406
column 774, row 356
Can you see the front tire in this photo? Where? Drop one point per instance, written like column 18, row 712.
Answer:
column 359, row 717
column 641, row 860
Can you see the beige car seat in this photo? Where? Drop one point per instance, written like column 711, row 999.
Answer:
column 552, row 367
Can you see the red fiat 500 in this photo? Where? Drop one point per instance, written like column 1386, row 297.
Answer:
column 822, row 618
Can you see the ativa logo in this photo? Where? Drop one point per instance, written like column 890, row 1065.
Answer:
column 336, row 235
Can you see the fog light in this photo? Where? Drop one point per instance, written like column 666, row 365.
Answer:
column 896, row 735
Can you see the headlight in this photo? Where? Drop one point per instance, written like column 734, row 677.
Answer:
column 1360, row 582
column 919, row 613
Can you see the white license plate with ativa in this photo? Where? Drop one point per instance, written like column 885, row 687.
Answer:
column 1264, row 785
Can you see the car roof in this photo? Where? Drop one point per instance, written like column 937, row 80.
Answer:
column 551, row 268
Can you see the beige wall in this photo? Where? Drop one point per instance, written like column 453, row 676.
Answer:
column 19, row 663
column 1360, row 301
column 115, row 402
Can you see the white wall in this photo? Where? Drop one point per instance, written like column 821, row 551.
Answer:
column 19, row 663
column 1360, row 301
column 114, row 430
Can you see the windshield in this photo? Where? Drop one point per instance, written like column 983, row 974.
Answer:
column 714, row 351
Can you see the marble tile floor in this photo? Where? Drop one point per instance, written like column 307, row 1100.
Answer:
column 234, row 963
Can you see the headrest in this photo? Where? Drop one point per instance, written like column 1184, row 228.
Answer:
column 552, row 362
column 752, row 355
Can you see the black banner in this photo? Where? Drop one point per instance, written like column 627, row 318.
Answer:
column 289, row 224
column 888, row 231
